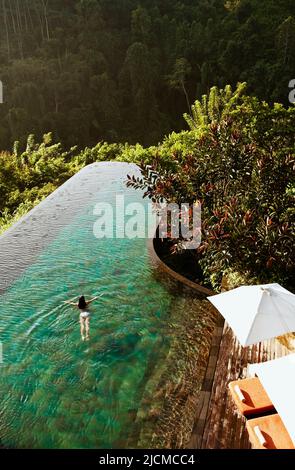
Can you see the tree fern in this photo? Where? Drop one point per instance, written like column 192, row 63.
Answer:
column 214, row 107
column 213, row 104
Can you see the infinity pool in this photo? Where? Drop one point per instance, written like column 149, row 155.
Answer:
column 149, row 337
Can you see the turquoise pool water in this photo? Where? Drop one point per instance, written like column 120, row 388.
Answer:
column 57, row 391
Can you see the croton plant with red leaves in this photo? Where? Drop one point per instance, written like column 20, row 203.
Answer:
column 241, row 168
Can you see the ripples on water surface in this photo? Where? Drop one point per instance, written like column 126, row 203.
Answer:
column 57, row 391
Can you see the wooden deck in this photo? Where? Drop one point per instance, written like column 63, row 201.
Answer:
column 218, row 425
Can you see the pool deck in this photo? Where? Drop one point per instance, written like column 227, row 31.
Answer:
column 217, row 424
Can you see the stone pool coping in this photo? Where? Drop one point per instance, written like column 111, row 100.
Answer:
column 178, row 277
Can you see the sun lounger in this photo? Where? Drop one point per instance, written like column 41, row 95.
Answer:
column 269, row 432
column 250, row 397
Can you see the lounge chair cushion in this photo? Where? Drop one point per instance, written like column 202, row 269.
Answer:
column 273, row 431
column 255, row 400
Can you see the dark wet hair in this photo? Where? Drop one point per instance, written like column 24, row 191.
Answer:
column 82, row 302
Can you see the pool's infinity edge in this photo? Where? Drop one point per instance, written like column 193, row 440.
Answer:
column 15, row 253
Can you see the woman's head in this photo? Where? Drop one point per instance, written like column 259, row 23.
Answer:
column 82, row 302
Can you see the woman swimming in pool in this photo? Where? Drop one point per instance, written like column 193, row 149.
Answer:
column 84, row 314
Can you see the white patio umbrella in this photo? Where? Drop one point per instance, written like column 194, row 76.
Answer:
column 257, row 313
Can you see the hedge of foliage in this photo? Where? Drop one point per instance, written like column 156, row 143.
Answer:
column 238, row 160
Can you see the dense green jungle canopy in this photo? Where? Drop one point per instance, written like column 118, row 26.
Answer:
column 126, row 70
